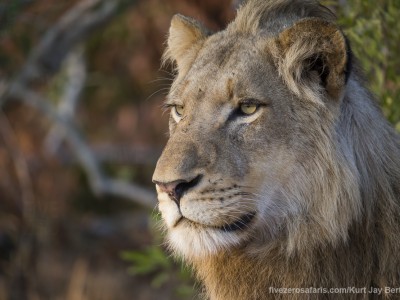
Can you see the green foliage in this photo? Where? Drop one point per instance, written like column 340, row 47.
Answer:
column 154, row 263
column 151, row 260
column 373, row 28
column 161, row 268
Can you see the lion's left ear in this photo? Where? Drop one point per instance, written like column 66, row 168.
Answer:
column 314, row 58
column 185, row 39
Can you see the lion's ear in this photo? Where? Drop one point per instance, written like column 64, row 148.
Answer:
column 185, row 38
column 314, row 58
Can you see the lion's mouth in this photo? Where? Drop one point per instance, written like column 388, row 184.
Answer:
column 238, row 225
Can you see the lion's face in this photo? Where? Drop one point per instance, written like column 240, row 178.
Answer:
column 227, row 135
column 235, row 143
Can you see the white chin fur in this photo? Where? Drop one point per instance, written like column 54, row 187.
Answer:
column 189, row 242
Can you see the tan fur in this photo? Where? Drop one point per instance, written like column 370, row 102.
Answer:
column 276, row 14
column 308, row 39
column 185, row 39
column 317, row 163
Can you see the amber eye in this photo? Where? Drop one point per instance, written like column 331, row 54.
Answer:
column 248, row 109
column 178, row 110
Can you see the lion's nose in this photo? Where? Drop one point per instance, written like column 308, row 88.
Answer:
column 175, row 189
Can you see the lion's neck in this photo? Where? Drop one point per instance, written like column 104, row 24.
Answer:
column 238, row 275
column 375, row 148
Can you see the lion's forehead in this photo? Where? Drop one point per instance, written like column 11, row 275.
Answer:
column 221, row 51
column 226, row 69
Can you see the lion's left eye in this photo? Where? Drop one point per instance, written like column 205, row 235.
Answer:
column 248, row 109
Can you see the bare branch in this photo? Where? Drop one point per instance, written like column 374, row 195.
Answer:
column 74, row 26
column 43, row 62
column 70, row 30
column 99, row 183
column 76, row 78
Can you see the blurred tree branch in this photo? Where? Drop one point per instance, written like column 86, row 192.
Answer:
column 74, row 27
column 45, row 60
column 76, row 78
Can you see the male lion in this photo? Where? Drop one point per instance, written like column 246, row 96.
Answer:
column 280, row 170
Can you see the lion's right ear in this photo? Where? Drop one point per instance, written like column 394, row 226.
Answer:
column 185, row 39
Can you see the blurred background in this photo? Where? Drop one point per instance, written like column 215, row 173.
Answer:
column 81, row 128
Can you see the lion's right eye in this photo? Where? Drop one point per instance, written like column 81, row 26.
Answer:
column 178, row 109
column 177, row 112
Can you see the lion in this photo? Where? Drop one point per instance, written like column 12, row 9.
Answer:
column 280, row 171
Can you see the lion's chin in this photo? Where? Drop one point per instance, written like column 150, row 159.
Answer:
column 192, row 240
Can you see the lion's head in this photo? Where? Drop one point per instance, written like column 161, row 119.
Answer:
column 254, row 154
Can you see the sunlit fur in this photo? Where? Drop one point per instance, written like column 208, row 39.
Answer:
column 318, row 163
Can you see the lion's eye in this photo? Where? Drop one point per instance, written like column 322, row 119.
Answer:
column 178, row 110
column 248, row 109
